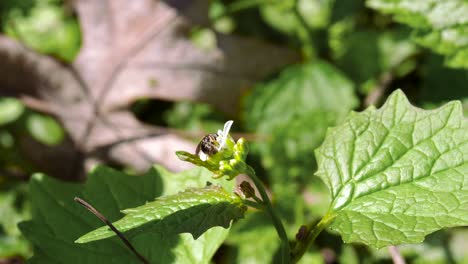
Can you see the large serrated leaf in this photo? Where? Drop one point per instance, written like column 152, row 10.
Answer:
column 57, row 221
column 439, row 25
column 191, row 211
column 397, row 173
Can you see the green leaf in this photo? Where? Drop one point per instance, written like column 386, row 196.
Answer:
column 397, row 173
column 283, row 15
column 10, row 110
column 435, row 79
column 47, row 28
column 293, row 112
column 439, row 25
column 255, row 227
column 194, row 117
column 57, row 221
column 13, row 209
column 191, row 211
column 45, row 129
column 365, row 55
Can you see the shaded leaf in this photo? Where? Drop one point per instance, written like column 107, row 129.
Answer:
column 439, row 25
column 293, row 112
column 58, row 221
column 436, row 77
column 256, row 227
column 397, row 173
column 13, row 209
column 10, row 110
column 44, row 129
column 366, row 55
column 284, row 14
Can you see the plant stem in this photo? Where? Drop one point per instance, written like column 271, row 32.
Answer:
column 112, row 227
column 255, row 205
column 242, row 5
column 304, row 32
column 313, row 231
column 285, row 250
column 396, row 255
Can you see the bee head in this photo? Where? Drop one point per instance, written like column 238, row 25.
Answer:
column 208, row 146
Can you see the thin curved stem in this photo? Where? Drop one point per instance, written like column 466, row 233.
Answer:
column 242, row 5
column 313, row 231
column 396, row 255
column 113, row 228
column 285, row 250
column 304, row 32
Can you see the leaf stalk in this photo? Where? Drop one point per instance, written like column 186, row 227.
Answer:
column 314, row 230
column 285, row 250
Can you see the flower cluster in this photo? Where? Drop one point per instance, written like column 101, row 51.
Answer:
column 219, row 153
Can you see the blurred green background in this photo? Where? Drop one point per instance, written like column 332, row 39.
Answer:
column 351, row 56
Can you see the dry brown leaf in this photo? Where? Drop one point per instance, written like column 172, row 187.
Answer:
column 139, row 49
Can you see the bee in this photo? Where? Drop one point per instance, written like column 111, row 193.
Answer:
column 208, row 146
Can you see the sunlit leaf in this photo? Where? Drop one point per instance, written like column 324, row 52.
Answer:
column 10, row 110
column 397, row 173
column 45, row 129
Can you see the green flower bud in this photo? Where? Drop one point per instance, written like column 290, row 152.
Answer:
column 241, row 149
column 219, row 153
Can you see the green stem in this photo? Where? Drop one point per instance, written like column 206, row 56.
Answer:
column 304, row 32
column 314, row 230
column 285, row 250
column 242, row 5
column 252, row 204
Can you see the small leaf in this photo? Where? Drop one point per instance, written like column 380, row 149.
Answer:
column 10, row 110
column 397, row 173
column 283, row 15
column 48, row 28
column 45, row 129
column 438, row 25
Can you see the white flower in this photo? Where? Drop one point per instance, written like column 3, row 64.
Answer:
column 213, row 143
column 223, row 135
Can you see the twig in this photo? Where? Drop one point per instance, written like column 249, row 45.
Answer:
column 112, row 227
column 384, row 82
column 396, row 256
column 37, row 104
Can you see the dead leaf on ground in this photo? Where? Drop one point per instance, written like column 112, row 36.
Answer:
column 131, row 50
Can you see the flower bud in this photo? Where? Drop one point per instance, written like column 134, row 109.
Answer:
column 219, row 153
column 247, row 189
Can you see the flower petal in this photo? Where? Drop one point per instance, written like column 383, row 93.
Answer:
column 225, row 133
